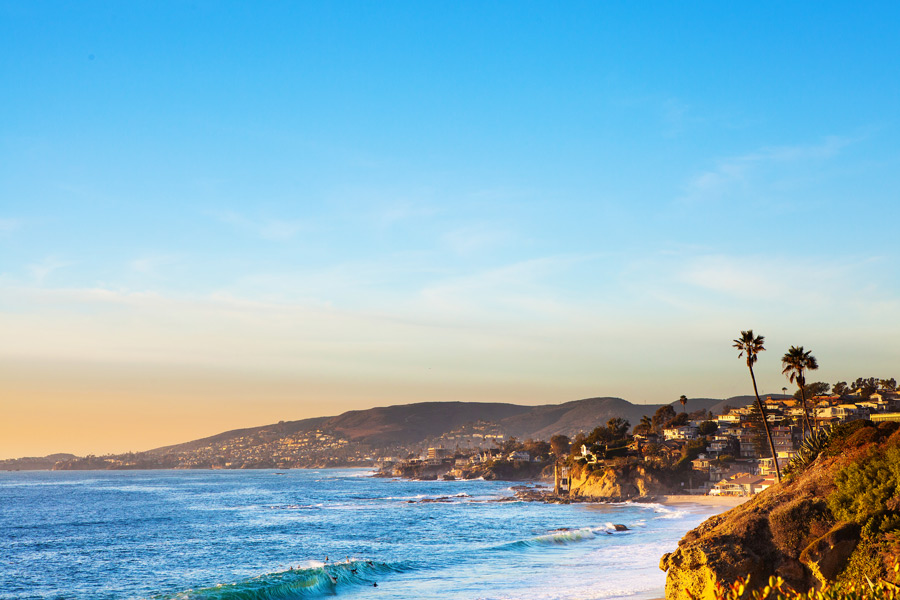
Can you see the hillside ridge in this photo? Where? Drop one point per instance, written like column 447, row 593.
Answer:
column 414, row 423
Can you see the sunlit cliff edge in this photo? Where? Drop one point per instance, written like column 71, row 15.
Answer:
column 835, row 518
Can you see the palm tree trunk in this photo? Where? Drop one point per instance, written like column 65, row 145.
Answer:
column 766, row 425
column 805, row 408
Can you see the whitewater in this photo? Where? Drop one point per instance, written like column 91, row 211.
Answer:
column 280, row 535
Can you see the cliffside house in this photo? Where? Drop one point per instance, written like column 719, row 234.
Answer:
column 561, row 479
column 587, row 454
column 439, row 452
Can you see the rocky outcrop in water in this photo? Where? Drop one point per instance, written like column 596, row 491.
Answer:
column 622, row 482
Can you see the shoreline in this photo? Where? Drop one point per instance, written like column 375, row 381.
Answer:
column 729, row 501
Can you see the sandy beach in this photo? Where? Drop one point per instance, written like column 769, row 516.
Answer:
column 728, row 501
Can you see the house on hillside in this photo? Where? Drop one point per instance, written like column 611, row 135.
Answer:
column 747, row 440
column 889, row 416
column 783, row 439
column 731, row 418
column 702, row 464
column 586, row 454
column 721, row 445
column 873, row 406
column 684, row 432
column 841, row 412
column 742, row 484
column 439, row 452
column 767, row 467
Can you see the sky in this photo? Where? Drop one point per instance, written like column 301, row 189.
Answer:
column 217, row 214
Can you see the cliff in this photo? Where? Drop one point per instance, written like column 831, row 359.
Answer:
column 623, row 481
column 836, row 517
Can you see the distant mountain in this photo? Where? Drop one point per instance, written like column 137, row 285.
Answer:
column 283, row 428
column 568, row 418
column 409, row 424
column 34, row 463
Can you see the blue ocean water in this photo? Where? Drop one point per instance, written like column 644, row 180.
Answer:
column 228, row 535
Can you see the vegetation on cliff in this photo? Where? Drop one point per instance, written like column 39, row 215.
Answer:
column 620, row 469
column 777, row 589
column 835, row 520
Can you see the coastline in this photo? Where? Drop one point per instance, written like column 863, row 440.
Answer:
column 727, row 501
column 545, row 539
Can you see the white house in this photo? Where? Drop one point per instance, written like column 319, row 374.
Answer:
column 685, row 432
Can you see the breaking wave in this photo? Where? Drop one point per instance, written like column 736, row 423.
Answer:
column 312, row 582
column 560, row 537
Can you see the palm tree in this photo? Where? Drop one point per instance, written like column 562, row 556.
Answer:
column 752, row 346
column 683, row 401
column 795, row 361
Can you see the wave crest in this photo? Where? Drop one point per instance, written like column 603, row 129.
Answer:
column 560, row 537
column 312, row 582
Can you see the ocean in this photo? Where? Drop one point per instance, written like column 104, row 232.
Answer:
column 279, row 535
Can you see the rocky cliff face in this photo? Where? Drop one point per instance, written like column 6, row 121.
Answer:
column 790, row 530
column 621, row 482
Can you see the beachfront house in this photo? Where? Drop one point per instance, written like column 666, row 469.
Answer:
column 742, row 484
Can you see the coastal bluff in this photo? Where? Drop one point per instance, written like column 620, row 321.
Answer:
column 835, row 517
column 621, row 482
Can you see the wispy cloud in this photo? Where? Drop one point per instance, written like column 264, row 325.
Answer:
column 268, row 228
column 737, row 172
column 806, row 282
column 41, row 270
column 151, row 265
column 514, row 289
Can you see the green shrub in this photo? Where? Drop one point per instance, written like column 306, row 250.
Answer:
column 879, row 524
column 865, row 562
column 866, row 486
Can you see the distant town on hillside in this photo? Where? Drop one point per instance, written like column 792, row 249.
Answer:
column 722, row 438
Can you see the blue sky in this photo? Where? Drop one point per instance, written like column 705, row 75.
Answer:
column 225, row 214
